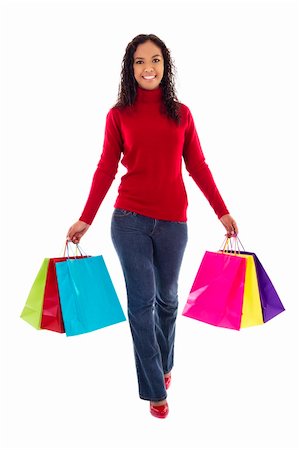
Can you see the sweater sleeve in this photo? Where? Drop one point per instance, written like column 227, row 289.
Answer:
column 199, row 170
column 106, row 168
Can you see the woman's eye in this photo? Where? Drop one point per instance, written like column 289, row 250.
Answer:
column 156, row 59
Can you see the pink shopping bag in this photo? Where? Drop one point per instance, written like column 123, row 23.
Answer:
column 216, row 296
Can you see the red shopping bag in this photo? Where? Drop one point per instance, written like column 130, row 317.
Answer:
column 52, row 318
column 51, row 313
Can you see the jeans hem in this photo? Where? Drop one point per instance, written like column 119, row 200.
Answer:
column 169, row 370
column 153, row 399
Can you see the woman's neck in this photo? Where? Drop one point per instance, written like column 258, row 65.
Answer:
column 148, row 95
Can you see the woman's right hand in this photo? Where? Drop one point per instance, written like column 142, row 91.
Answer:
column 77, row 230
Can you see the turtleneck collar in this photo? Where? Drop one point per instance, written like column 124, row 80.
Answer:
column 148, row 95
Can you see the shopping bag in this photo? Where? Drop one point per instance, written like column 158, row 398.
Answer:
column 251, row 308
column 42, row 308
column 271, row 303
column 87, row 295
column 32, row 310
column 51, row 313
column 216, row 296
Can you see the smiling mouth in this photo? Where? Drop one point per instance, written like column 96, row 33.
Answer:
column 149, row 78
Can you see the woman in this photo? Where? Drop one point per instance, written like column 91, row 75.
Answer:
column 152, row 131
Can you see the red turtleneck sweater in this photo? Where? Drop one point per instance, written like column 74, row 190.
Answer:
column 151, row 147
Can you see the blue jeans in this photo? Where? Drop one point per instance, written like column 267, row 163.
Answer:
column 150, row 252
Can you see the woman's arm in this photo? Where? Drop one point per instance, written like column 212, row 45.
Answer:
column 201, row 174
column 107, row 167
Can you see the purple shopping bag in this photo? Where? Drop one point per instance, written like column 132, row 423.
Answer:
column 270, row 301
column 216, row 296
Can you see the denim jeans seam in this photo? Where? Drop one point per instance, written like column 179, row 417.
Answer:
column 119, row 212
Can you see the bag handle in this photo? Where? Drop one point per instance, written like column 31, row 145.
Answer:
column 227, row 242
column 78, row 248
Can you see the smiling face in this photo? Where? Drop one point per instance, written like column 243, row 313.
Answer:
column 148, row 62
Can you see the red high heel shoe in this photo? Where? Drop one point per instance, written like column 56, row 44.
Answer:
column 167, row 381
column 160, row 411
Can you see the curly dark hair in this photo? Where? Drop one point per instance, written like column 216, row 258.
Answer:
column 128, row 85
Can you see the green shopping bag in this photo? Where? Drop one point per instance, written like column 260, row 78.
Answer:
column 32, row 311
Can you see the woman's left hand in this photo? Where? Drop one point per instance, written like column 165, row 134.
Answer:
column 230, row 225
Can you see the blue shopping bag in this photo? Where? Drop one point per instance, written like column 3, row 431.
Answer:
column 87, row 295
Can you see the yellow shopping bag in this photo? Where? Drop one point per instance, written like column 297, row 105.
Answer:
column 251, row 308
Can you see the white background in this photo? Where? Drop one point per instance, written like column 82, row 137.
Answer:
column 237, row 71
